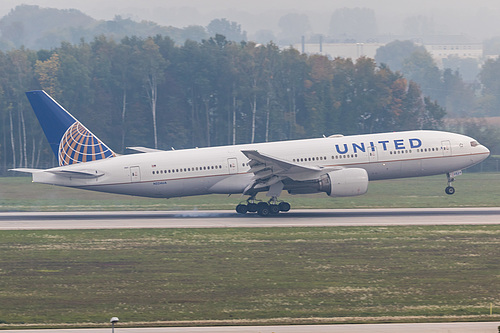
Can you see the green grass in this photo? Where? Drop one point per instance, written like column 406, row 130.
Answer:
column 473, row 190
column 284, row 275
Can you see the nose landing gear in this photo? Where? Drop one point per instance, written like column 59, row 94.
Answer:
column 451, row 178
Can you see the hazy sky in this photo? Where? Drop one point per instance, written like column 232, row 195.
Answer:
column 478, row 19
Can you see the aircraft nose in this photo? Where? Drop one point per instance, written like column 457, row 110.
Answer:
column 486, row 151
column 479, row 149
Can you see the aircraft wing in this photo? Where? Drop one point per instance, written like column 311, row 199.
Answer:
column 269, row 170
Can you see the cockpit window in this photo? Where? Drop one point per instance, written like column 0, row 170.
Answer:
column 474, row 143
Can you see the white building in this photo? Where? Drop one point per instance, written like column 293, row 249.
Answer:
column 438, row 51
column 462, row 51
column 342, row 50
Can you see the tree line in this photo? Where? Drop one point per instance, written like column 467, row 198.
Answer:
column 151, row 92
column 43, row 28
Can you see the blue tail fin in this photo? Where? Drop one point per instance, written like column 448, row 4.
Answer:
column 70, row 141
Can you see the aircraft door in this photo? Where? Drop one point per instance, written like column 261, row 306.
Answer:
column 135, row 174
column 446, row 148
column 232, row 164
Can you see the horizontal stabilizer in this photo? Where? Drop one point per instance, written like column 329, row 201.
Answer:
column 77, row 174
column 26, row 170
column 145, row 149
column 64, row 173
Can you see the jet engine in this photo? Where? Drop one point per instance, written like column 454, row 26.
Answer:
column 338, row 183
column 345, row 182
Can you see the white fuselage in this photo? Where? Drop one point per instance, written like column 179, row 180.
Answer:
column 225, row 169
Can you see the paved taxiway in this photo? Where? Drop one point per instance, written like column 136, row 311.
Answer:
column 230, row 219
column 490, row 327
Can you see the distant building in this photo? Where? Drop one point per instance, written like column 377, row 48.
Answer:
column 444, row 47
column 342, row 50
column 443, row 51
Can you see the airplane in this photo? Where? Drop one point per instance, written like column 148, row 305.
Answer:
column 337, row 165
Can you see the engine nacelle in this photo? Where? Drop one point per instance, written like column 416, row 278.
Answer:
column 345, row 182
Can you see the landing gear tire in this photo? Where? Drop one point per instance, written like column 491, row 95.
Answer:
column 252, row 207
column 284, row 206
column 263, row 209
column 450, row 190
column 241, row 209
column 274, row 209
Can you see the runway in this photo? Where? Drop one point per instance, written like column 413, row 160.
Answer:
column 480, row 327
column 230, row 219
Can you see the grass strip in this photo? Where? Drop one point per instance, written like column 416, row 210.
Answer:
column 267, row 275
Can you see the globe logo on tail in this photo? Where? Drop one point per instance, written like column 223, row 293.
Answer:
column 78, row 145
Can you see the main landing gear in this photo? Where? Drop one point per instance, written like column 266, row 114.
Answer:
column 450, row 189
column 272, row 207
